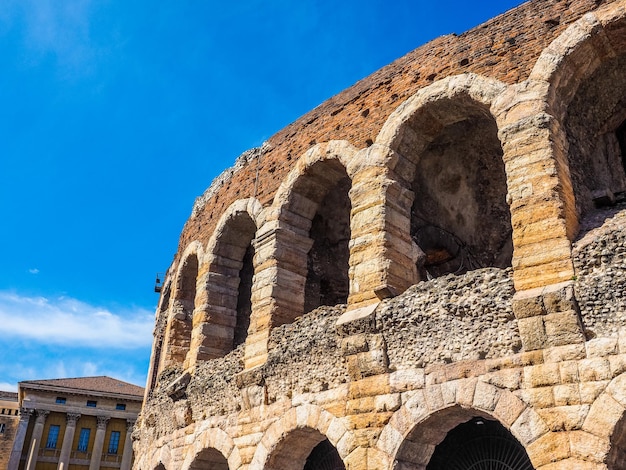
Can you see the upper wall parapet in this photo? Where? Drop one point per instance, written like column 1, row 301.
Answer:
column 504, row 48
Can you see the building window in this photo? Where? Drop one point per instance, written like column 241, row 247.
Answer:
column 53, row 436
column 114, row 442
column 61, row 400
column 120, row 406
column 92, row 403
column 83, row 440
column 2, row 428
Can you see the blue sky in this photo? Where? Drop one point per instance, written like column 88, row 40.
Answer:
column 116, row 114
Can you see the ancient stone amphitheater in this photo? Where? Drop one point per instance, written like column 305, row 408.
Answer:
column 427, row 271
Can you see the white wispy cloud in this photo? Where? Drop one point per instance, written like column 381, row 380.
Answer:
column 71, row 322
column 33, row 271
column 54, row 27
column 8, row 387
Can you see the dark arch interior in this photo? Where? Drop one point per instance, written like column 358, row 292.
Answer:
column 235, row 261
column 324, row 457
column 160, row 331
column 244, row 298
column 460, row 218
column 479, row 444
column 182, row 320
column 209, row 459
column 595, row 124
column 327, row 280
column 187, row 284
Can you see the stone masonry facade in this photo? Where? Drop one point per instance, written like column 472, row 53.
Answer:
column 431, row 261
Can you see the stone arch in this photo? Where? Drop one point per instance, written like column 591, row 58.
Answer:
column 179, row 327
column 444, row 148
column 156, row 360
column 410, row 437
column 159, row 459
column 604, row 428
column 303, row 253
column 584, row 89
column 224, row 305
column 288, row 442
column 213, row 449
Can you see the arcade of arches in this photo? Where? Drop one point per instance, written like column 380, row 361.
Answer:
column 426, row 272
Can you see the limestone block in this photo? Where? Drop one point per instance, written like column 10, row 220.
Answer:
column 528, row 427
column 568, row 352
column 589, row 391
column 568, row 394
column 389, row 402
column 563, row 328
column 369, row 386
column 604, row 414
column 406, row 379
column 486, row 396
column 564, row 418
column 465, row 391
column 550, row 447
column 532, row 332
column 541, row 375
column 542, row 397
column 589, row 447
column 596, row 369
column 601, row 347
column 433, row 397
column 528, row 303
column 617, row 364
column 617, row 389
column 360, row 405
column 508, row 408
column 390, row 439
column 508, row 378
column 448, row 392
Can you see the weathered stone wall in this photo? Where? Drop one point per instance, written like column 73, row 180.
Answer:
column 505, row 48
column 485, row 161
column 600, row 261
column 451, row 319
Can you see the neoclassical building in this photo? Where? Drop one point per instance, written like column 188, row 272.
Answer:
column 9, row 419
column 77, row 423
column 427, row 271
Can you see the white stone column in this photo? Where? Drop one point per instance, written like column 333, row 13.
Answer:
column 96, row 453
column 20, row 435
column 35, row 441
column 68, row 438
column 127, row 455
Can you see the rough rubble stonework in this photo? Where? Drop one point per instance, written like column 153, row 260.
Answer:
column 435, row 255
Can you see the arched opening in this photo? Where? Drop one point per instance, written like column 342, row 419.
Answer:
column 160, row 466
column 244, row 297
column 229, row 286
column 305, row 449
column 457, row 438
column 209, row 459
column 617, row 452
column 326, row 185
column 459, row 218
column 479, row 444
column 159, row 334
column 595, row 124
column 179, row 329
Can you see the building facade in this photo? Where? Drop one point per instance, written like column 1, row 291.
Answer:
column 426, row 271
column 9, row 419
column 76, row 423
